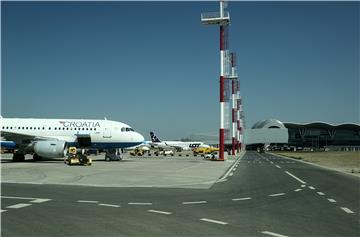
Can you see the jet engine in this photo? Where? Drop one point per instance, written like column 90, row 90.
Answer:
column 50, row 149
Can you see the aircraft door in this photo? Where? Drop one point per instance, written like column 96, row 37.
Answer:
column 107, row 132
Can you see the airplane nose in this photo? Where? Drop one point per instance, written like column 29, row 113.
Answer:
column 139, row 138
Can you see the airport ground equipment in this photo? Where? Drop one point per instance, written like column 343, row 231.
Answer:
column 164, row 152
column 113, row 155
column 77, row 158
column 212, row 156
column 204, row 150
column 137, row 152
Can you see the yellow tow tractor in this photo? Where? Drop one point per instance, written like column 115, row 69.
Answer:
column 75, row 158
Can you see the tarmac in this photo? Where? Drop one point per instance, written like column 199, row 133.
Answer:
column 166, row 172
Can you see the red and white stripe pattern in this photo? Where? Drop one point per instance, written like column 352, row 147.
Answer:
column 238, row 120
column 222, row 89
column 234, row 107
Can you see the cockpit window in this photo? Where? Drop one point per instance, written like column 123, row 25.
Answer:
column 127, row 129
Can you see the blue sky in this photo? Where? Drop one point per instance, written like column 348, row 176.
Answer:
column 154, row 66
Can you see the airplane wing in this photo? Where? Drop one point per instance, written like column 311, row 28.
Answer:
column 22, row 139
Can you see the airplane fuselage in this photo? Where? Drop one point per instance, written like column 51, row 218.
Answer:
column 104, row 134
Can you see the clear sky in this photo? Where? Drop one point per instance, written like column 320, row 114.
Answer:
column 154, row 66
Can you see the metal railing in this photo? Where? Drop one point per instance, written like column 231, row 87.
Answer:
column 212, row 15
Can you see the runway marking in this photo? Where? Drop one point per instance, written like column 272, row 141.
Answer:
column 231, row 174
column 301, row 181
column 139, row 203
column 331, row 200
column 234, row 169
column 277, row 194
column 347, row 210
column 241, row 199
column 311, row 187
column 273, row 234
column 321, row 193
column 196, row 202
column 214, row 221
column 220, row 181
column 278, row 166
column 108, row 205
column 271, row 162
column 85, row 201
column 297, row 190
column 2, row 210
column 35, row 200
column 303, row 186
column 40, row 200
column 20, row 205
column 228, row 172
column 160, row 212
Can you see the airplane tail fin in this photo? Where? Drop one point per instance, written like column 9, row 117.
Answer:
column 154, row 138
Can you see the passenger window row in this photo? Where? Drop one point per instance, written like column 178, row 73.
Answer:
column 43, row 128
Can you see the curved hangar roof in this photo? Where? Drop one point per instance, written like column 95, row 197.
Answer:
column 274, row 123
column 269, row 123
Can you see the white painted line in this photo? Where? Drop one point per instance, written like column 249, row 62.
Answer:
column 301, row 181
column 303, row 186
column 241, row 199
column 24, row 198
column 276, row 194
column 271, row 162
column 321, row 193
column 108, row 205
column 40, row 200
column 228, row 172
column 85, row 201
column 278, row 166
column 160, row 212
column 297, row 190
column 311, row 187
column 273, row 234
column 214, row 221
column 231, row 174
column 197, row 202
column 347, row 210
column 2, row 210
column 220, row 181
column 139, row 203
column 20, row 205
column 331, row 200
column 234, row 169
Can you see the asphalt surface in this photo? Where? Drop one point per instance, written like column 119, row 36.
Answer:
column 261, row 195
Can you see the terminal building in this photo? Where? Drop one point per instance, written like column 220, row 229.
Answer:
column 314, row 135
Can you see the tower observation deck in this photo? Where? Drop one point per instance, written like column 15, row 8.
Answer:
column 215, row 18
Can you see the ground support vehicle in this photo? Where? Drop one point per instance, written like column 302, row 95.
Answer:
column 204, row 150
column 113, row 155
column 137, row 152
column 164, row 153
column 212, row 156
column 76, row 158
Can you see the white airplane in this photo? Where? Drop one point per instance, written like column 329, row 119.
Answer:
column 50, row 138
column 179, row 145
